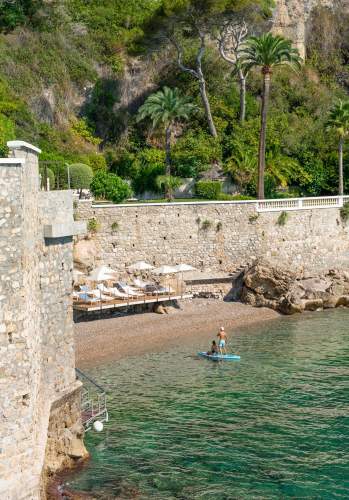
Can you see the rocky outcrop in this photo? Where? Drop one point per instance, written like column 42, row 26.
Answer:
column 291, row 19
column 65, row 446
column 265, row 285
column 85, row 254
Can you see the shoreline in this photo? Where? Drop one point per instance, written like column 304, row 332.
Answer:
column 110, row 339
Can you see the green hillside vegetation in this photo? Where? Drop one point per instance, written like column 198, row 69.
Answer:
column 66, row 86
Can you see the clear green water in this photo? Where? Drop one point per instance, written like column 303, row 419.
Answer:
column 274, row 425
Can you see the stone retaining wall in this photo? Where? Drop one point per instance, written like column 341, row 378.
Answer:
column 212, row 236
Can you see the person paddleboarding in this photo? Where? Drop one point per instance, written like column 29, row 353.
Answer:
column 214, row 349
column 222, row 336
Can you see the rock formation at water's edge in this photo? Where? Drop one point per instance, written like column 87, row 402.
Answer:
column 265, row 285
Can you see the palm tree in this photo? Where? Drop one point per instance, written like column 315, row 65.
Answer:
column 267, row 52
column 338, row 121
column 166, row 107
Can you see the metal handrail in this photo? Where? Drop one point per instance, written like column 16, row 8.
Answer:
column 83, row 375
column 92, row 408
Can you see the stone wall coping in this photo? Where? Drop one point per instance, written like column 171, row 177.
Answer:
column 12, row 161
column 64, row 229
column 23, row 145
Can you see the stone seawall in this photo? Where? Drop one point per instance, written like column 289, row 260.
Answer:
column 212, row 236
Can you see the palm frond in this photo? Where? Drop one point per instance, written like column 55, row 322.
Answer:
column 268, row 51
column 338, row 119
column 166, row 106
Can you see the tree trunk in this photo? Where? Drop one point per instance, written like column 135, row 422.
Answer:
column 340, row 164
column 207, row 108
column 168, row 192
column 263, row 131
column 168, row 150
column 242, row 96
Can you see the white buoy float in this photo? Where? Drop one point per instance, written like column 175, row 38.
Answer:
column 98, row 426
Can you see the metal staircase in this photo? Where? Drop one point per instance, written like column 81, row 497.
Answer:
column 93, row 401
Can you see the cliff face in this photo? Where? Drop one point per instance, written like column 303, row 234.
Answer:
column 291, row 18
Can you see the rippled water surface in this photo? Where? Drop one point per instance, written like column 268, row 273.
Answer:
column 273, row 425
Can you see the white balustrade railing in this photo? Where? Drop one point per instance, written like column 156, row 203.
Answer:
column 299, row 203
column 274, row 205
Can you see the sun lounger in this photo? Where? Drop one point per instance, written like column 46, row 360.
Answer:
column 141, row 284
column 125, row 288
column 100, row 296
column 158, row 289
column 113, row 292
column 84, row 297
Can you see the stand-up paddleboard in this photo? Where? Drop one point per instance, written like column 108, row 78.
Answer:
column 219, row 357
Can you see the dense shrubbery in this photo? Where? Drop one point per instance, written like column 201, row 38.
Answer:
column 80, row 176
column 106, row 186
column 209, row 190
column 15, row 12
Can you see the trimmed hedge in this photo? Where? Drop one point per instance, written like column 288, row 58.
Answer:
column 210, row 190
column 105, row 186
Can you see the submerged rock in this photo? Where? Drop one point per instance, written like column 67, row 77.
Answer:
column 265, row 285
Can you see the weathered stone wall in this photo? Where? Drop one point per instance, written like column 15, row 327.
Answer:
column 36, row 336
column 215, row 236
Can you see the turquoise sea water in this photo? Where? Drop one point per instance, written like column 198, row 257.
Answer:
column 273, row 425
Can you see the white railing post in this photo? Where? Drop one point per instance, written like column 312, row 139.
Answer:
column 300, row 203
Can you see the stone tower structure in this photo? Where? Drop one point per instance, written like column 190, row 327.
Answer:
column 40, row 421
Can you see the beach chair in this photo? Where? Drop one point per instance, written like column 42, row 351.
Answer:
column 138, row 283
column 113, row 292
column 158, row 289
column 125, row 288
column 84, row 297
column 101, row 296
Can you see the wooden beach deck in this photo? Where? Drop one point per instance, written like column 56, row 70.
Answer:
column 117, row 303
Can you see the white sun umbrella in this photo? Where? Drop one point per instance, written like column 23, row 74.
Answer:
column 183, row 268
column 140, row 266
column 102, row 273
column 165, row 270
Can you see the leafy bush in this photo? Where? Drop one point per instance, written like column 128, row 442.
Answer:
column 7, row 133
column 110, row 187
column 95, row 161
column 282, row 219
column 206, row 224
column 81, row 128
column 344, row 211
column 195, row 153
column 146, row 167
column 16, row 12
column 234, row 197
column 93, row 226
column 210, row 190
column 81, row 176
column 168, row 184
